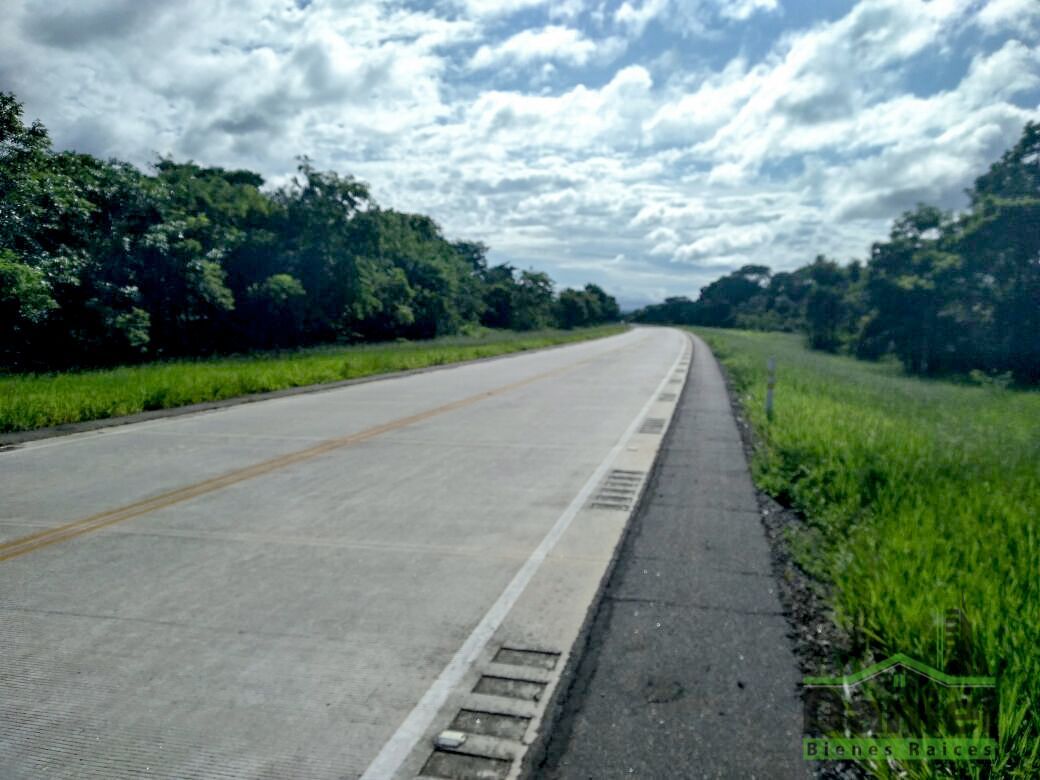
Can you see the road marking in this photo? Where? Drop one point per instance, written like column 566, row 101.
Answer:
column 44, row 538
column 397, row 749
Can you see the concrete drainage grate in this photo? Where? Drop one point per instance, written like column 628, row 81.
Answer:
column 619, row 490
column 537, row 659
column 491, row 724
column 461, row 766
column 509, row 687
column 486, row 737
column 652, row 425
column 667, row 397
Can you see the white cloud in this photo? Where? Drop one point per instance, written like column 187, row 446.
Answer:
column 492, row 8
column 692, row 17
column 566, row 9
column 934, row 147
column 652, row 171
column 1021, row 16
column 807, row 97
column 636, row 17
column 745, row 9
column 693, row 116
column 581, row 119
column 562, row 44
column 224, row 92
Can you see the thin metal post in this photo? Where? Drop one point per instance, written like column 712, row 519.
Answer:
column 770, row 383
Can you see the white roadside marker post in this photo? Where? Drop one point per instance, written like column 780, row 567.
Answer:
column 770, row 383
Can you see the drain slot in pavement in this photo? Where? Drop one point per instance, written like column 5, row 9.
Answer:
column 652, row 425
column 459, row 766
column 618, row 491
column 509, row 688
column 667, row 397
column 486, row 736
column 491, row 724
column 537, row 659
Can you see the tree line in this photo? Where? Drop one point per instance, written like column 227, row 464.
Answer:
column 102, row 263
column 946, row 293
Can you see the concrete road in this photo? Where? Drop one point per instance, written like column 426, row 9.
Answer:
column 306, row 586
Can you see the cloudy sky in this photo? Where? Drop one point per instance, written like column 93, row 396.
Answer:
column 648, row 145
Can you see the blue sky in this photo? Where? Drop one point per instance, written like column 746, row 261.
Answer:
column 647, row 145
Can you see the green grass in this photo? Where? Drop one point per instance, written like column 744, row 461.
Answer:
column 919, row 495
column 30, row 401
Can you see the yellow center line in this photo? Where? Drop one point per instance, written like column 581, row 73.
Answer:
column 40, row 539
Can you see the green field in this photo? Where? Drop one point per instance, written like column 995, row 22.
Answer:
column 919, row 496
column 30, row 401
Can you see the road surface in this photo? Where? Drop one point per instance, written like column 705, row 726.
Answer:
column 314, row 586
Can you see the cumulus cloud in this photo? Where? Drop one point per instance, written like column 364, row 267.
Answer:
column 580, row 120
column 637, row 15
column 492, row 8
column 692, row 17
column 725, row 242
column 801, row 98
column 645, row 144
column 561, row 44
column 744, row 9
column 1021, row 16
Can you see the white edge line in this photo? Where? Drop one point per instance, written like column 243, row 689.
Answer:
column 397, row 749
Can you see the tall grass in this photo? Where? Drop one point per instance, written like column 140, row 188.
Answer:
column 30, row 401
column 920, row 496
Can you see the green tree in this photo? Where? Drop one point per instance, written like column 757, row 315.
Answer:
column 532, row 301
column 905, row 287
column 102, row 262
column 603, row 307
column 826, row 312
column 319, row 244
column 999, row 241
column 676, row 310
column 499, row 283
column 277, row 307
column 25, row 301
column 572, row 309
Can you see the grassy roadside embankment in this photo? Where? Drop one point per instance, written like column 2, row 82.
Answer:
column 919, row 496
column 30, row 401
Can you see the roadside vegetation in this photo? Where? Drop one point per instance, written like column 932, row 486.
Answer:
column 104, row 264
column 947, row 293
column 918, row 496
column 30, row 401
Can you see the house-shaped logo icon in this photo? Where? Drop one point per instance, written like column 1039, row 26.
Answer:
column 900, row 708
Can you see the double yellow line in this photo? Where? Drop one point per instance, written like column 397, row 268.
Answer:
column 36, row 541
